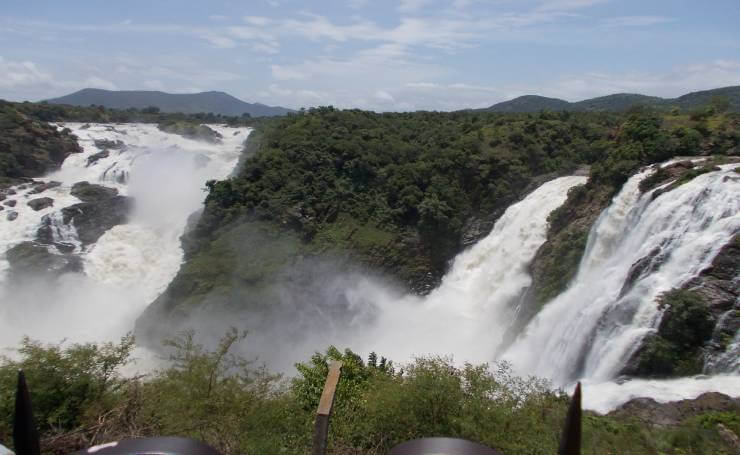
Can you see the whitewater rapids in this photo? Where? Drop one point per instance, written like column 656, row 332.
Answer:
column 132, row 263
column 589, row 331
column 586, row 333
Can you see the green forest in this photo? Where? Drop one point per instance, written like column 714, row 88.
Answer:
column 398, row 191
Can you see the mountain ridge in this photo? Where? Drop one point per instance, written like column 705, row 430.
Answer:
column 619, row 102
column 217, row 102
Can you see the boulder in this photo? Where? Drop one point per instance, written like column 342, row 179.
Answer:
column 45, row 233
column 10, row 203
column 92, row 159
column 12, row 215
column 44, row 186
column 104, row 144
column 32, row 260
column 651, row 412
column 40, row 203
column 88, row 192
column 92, row 218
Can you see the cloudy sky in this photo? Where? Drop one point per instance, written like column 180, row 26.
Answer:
column 380, row 55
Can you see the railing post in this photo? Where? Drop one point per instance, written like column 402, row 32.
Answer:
column 321, row 428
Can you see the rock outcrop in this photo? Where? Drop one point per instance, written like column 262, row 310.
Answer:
column 192, row 131
column 40, row 203
column 94, row 158
column 41, row 187
column 101, row 209
column 653, row 413
column 32, row 260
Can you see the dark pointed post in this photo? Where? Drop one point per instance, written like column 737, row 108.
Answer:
column 321, row 427
column 25, row 436
column 570, row 441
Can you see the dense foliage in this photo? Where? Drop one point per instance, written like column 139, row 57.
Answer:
column 30, row 147
column 65, row 113
column 418, row 178
column 220, row 398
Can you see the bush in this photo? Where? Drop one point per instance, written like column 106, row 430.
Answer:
column 69, row 385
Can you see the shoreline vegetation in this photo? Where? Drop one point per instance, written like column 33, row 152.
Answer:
column 236, row 405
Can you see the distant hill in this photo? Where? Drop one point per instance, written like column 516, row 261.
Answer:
column 531, row 103
column 187, row 103
column 619, row 102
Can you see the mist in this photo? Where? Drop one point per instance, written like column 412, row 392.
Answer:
column 131, row 263
column 321, row 301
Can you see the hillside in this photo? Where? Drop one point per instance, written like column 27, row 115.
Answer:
column 621, row 102
column 29, row 147
column 531, row 103
column 187, row 103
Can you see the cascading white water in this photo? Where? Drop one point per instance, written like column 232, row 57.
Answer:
column 131, row 263
column 590, row 330
column 470, row 310
column 586, row 332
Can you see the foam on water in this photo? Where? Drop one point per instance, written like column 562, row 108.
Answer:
column 130, row 264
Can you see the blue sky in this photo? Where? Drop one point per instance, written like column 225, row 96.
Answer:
column 380, row 55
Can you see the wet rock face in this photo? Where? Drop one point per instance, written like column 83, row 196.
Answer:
column 47, row 234
column 40, row 203
column 716, row 316
column 41, row 187
column 651, row 412
column 92, row 159
column 105, row 144
column 88, row 192
column 101, row 209
column 29, row 260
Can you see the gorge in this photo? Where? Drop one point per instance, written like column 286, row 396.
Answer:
column 644, row 303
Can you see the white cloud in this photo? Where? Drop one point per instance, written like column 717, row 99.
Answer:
column 286, row 73
column 257, row 20
column 98, row 82
column 562, row 5
column 275, row 89
column 421, row 85
column 635, row 21
column 218, row 17
column 19, row 74
column 382, row 95
column 357, row 4
column 407, row 6
column 265, row 48
column 675, row 82
column 219, row 41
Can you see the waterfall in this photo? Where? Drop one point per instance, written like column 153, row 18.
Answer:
column 639, row 247
column 471, row 309
column 131, row 263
